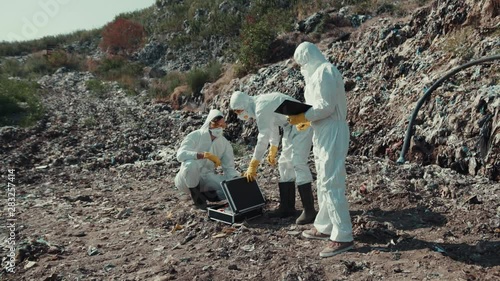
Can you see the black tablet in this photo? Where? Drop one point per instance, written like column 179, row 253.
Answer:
column 290, row 107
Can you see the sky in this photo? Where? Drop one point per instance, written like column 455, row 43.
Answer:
column 22, row 20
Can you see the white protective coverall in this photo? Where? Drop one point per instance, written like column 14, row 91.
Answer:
column 324, row 90
column 195, row 171
column 296, row 145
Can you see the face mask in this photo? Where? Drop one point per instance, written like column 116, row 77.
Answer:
column 243, row 116
column 217, row 132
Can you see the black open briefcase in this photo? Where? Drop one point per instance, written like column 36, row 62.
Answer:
column 244, row 201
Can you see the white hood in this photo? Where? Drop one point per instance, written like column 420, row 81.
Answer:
column 211, row 115
column 309, row 57
column 242, row 101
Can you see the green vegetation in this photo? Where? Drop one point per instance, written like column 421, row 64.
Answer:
column 97, row 87
column 250, row 26
column 202, row 18
column 19, row 102
column 264, row 22
column 82, row 37
column 38, row 64
column 119, row 69
column 145, row 17
column 197, row 77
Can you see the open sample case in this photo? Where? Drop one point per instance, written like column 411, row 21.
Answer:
column 244, row 201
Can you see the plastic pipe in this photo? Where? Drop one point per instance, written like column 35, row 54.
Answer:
column 409, row 131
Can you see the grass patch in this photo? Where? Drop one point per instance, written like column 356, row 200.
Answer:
column 117, row 68
column 97, row 87
column 38, row 64
column 19, row 48
column 162, row 88
column 19, row 103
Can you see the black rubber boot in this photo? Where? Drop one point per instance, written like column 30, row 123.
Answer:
column 199, row 200
column 212, row 196
column 306, row 196
column 287, row 201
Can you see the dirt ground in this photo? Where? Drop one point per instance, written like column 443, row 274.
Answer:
column 130, row 224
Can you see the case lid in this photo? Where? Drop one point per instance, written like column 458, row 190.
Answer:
column 242, row 195
column 290, row 107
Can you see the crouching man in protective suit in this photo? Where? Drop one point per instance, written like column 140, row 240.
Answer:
column 200, row 153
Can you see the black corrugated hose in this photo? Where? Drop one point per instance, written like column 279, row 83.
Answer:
column 409, row 131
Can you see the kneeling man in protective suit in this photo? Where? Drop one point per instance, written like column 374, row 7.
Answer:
column 200, row 153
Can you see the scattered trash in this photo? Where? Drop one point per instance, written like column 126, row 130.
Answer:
column 248, row 248
column 177, row 227
column 124, row 213
column 108, row 267
column 438, row 249
column 219, row 235
column 191, row 235
column 29, row 264
column 472, row 200
column 93, row 251
column 177, row 246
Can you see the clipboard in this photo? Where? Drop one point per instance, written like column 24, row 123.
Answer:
column 290, row 107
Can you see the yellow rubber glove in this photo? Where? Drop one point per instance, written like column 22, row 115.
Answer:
column 271, row 156
column 296, row 119
column 251, row 173
column 213, row 158
column 303, row 126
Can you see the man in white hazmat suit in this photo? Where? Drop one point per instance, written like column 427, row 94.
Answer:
column 200, row 153
column 296, row 146
column 324, row 90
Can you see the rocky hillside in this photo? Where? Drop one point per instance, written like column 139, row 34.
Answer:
column 94, row 177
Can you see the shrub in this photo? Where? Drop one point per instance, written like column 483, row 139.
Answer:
column 97, row 87
column 175, row 79
column 164, row 87
column 264, row 22
column 117, row 68
column 112, row 68
column 196, row 79
column 37, row 65
column 60, row 58
column 19, row 102
column 214, row 70
column 256, row 38
column 33, row 66
column 122, row 37
column 11, row 67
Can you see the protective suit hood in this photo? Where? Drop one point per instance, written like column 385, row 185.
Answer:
column 309, row 57
column 211, row 115
column 242, row 101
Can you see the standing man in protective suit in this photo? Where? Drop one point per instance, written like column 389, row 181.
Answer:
column 324, row 90
column 296, row 146
column 200, row 153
